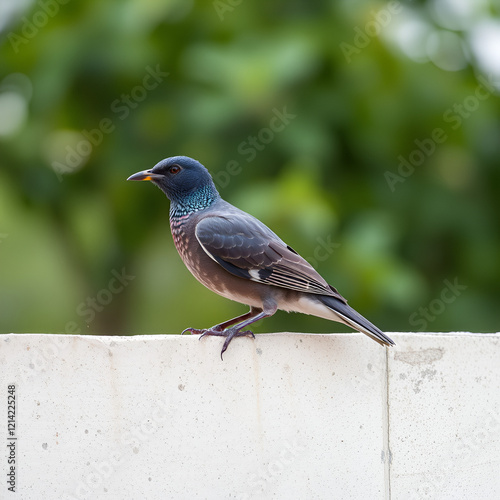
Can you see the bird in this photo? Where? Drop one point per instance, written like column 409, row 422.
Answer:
column 238, row 257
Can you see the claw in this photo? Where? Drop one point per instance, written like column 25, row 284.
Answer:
column 192, row 330
column 203, row 334
column 216, row 331
column 212, row 332
column 231, row 333
column 226, row 344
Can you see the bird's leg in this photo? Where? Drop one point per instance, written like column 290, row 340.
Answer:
column 222, row 326
column 238, row 319
column 230, row 332
column 236, row 331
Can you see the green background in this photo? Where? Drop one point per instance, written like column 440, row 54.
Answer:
column 364, row 83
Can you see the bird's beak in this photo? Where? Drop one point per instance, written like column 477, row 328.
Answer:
column 145, row 175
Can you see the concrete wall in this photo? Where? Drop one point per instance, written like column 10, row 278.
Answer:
column 286, row 416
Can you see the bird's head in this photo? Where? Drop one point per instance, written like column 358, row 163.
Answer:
column 182, row 179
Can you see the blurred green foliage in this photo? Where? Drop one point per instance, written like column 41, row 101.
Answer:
column 328, row 180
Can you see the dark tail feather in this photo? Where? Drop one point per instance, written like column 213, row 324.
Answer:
column 353, row 319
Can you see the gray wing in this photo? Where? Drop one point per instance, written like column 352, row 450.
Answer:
column 245, row 247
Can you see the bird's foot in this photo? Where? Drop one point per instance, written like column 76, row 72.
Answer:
column 229, row 333
column 208, row 331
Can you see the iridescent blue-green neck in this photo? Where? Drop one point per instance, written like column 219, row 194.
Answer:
column 197, row 200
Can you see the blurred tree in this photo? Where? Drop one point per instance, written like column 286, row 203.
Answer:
column 365, row 133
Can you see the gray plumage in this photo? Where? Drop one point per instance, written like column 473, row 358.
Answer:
column 235, row 255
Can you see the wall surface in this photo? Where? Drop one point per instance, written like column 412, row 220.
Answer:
column 284, row 416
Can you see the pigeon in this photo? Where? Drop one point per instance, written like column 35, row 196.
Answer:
column 235, row 255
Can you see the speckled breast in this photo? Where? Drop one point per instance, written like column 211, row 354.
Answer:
column 181, row 240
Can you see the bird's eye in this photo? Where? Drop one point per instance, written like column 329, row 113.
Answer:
column 174, row 169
